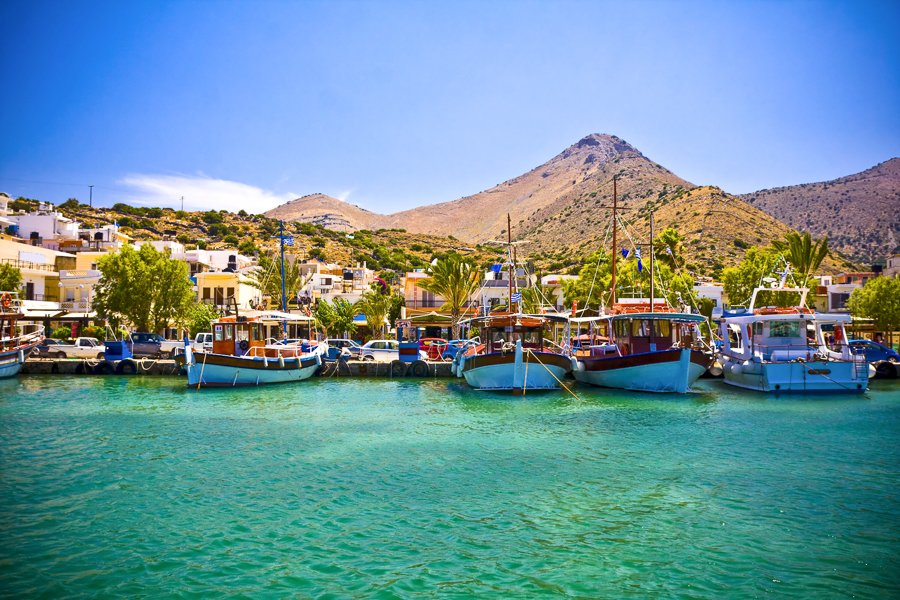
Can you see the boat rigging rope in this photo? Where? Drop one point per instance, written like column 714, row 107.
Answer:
column 552, row 374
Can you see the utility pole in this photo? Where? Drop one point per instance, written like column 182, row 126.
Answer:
column 182, row 204
column 91, row 200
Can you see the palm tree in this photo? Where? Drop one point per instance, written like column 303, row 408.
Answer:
column 376, row 305
column 336, row 317
column 266, row 277
column 803, row 253
column 455, row 279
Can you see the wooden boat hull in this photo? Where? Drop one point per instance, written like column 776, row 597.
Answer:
column 11, row 361
column 222, row 370
column 797, row 376
column 673, row 370
column 516, row 371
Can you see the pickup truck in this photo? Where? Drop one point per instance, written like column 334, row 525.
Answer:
column 82, row 347
column 202, row 342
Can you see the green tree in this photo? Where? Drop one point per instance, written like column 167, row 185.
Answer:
column 266, row 277
column 336, row 317
column 535, row 297
column 376, row 305
column 740, row 281
column 592, row 286
column 668, row 248
column 879, row 300
column 803, row 253
column 455, row 279
column 10, row 278
column 142, row 287
column 200, row 317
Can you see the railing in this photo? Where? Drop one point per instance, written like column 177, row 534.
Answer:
column 79, row 274
column 27, row 264
column 76, row 305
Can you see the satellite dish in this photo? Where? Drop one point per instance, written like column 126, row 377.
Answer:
column 769, row 279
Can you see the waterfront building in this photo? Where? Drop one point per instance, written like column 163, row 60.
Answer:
column 892, row 268
column 707, row 288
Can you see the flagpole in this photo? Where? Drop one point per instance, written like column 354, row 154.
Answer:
column 652, row 262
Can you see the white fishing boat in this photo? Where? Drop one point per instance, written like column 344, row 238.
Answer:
column 245, row 352
column 514, row 356
column 15, row 343
column 777, row 349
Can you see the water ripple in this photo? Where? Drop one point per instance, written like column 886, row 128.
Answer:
column 394, row 489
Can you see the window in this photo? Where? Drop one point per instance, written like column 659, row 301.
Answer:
column 229, row 332
column 640, row 328
column 784, row 329
column 219, row 333
column 206, row 293
column 662, row 329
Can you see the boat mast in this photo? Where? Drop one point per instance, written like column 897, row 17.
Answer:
column 652, row 262
column 283, row 297
column 512, row 266
column 612, row 301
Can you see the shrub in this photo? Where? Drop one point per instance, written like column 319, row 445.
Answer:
column 62, row 333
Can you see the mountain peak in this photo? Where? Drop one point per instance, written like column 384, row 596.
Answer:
column 599, row 140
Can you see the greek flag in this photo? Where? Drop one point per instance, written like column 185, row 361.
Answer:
column 624, row 253
column 289, row 240
column 496, row 268
column 517, row 297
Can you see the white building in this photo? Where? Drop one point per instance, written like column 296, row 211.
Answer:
column 707, row 288
column 892, row 268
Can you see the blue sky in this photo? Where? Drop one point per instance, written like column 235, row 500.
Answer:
column 391, row 105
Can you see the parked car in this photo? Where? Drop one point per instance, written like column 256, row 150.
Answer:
column 433, row 347
column 338, row 347
column 82, row 347
column 146, row 344
column 384, row 351
column 48, row 349
column 454, row 347
column 875, row 351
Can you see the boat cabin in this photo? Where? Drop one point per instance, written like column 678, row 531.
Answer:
column 777, row 337
column 499, row 333
column 639, row 333
column 255, row 335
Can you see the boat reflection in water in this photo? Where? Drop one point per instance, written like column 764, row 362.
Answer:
column 246, row 352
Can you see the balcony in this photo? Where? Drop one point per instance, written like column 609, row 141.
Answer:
column 69, row 275
column 78, row 306
column 28, row 265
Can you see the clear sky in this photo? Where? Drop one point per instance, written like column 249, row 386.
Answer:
column 391, row 105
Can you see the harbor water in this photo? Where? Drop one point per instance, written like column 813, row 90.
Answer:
column 139, row 487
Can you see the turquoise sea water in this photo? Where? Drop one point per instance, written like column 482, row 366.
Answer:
column 138, row 487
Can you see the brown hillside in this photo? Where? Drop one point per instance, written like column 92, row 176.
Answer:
column 327, row 212
column 859, row 213
column 544, row 194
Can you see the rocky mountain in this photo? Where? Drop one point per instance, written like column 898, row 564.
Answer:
column 859, row 213
column 578, row 175
column 326, row 211
column 561, row 208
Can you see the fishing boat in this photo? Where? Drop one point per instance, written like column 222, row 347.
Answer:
column 15, row 343
column 643, row 346
column 514, row 358
column 790, row 349
column 245, row 352
column 648, row 351
column 248, row 350
column 514, row 355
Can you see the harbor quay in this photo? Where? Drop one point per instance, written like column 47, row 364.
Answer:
column 169, row 367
